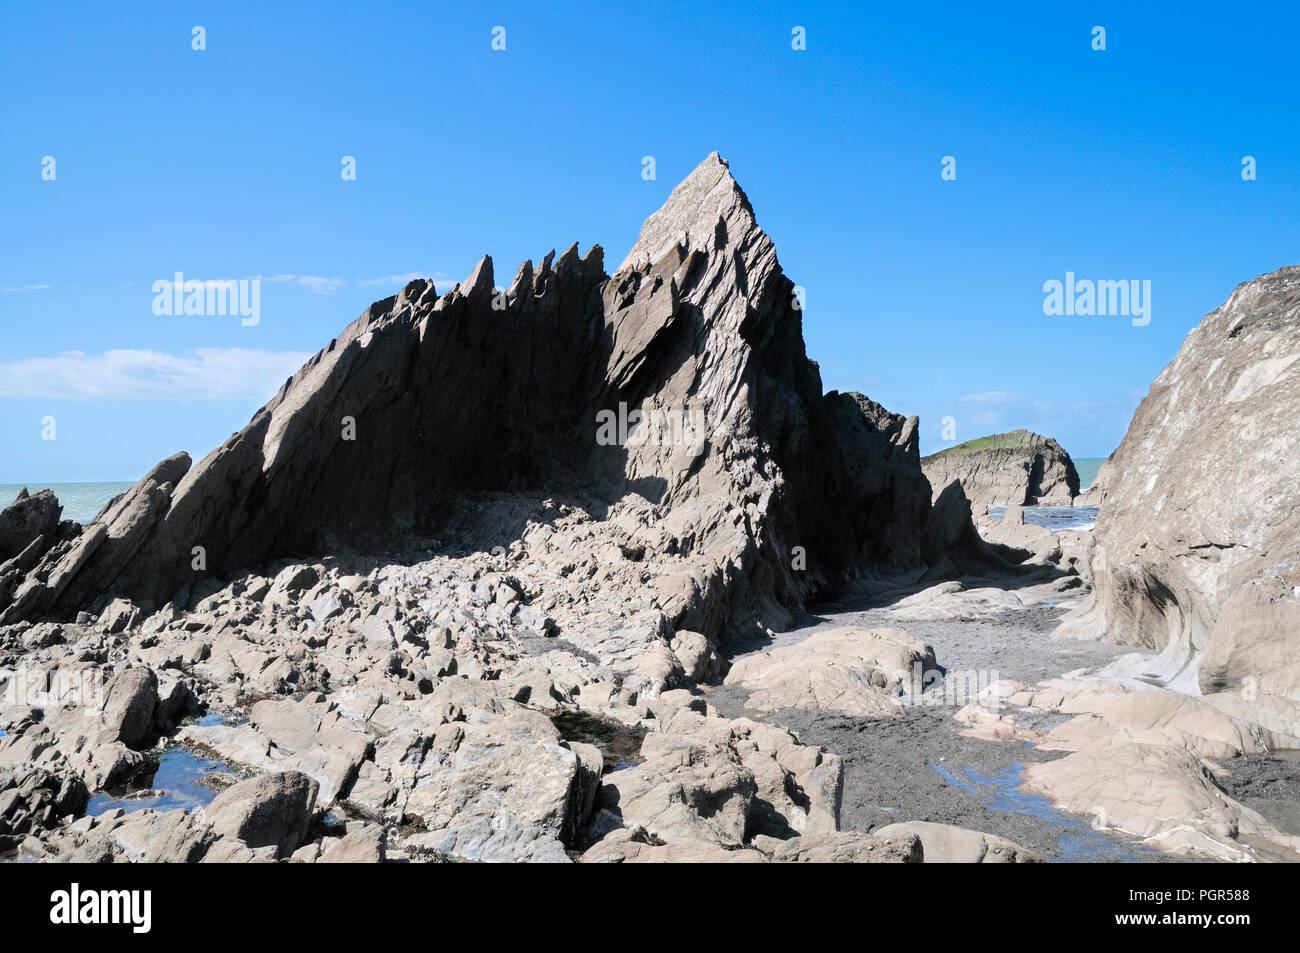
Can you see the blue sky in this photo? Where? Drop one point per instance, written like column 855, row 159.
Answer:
column 925, row 294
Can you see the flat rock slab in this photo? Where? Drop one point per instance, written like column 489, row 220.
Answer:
column 949, row 844
column 852, row 670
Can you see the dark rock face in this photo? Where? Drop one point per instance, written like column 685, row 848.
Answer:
column 1197, row 546
column 952, row 544
column 1016, row 469
column 426, row 397
column 871, row 486
column 27, row 519
column 29, row 528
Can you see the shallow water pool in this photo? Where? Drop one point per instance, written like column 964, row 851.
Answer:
column 1077, row 841
column 182, row 779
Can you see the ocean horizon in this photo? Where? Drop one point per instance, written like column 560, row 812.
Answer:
column 1087, row 468
column 81, row 501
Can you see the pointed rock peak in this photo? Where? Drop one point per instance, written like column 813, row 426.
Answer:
column 593, row 263
column 692, row 212
column 569, row 259
column 523, row 282
column 416, row 292
column 480, row 279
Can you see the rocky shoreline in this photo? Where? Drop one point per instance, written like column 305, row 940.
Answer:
column 421, row 609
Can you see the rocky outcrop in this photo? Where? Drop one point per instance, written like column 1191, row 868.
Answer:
column 29, row 528
column 952, row 546
column 26, row 520
column 1017, row 468
column 1197, row 546
column 672, row 402
column 458, row 590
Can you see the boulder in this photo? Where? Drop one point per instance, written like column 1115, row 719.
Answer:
column 634, row 846
column 130, row 704
column 712, row 780
column 1165, row 795
column 365, row 845
column 274, row 811
column 32, row 796
column 310, row 736
column 948, row 844
column 846, row 847
column 1169, row 718
column 505, row 789
column 695, row 654
column 852, row 670
column 688, row 792
column 119, row 614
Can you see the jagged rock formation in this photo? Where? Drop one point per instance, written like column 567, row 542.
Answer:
column 26, row 520
column 742, row 490
column 953, row 547
column 1017, row 468
column 1197, row 547
column 29, row 527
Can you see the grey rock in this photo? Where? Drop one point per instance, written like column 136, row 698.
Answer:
column 27, row 519
column 130, row 703
column 451, row 394
column 953, row 546
column 120, row 614
column 326, row 607
column 274, row 810
column 1197, row 545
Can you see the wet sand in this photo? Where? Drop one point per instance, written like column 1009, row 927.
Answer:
column 918, row 767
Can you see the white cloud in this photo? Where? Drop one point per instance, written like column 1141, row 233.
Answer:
column 392, row 279
column 313, row 283
column 992, row 397
column 202, row 374
column 323, row 286
column 397, row 281
column 25, row 288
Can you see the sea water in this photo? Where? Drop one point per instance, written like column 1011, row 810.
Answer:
column 1055, row 518
column 1075, row 839
column 81, row 501
column 1059, row 518
column 1087, row 468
